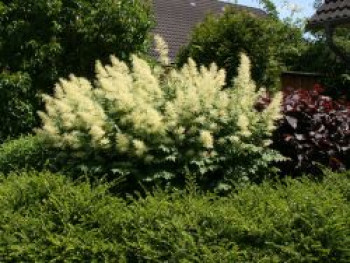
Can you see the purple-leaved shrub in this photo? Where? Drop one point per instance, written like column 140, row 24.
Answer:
column 315, row 129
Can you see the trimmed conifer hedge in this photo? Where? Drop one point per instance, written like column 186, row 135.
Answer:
column 46, row 217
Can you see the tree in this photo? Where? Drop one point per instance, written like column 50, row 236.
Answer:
column 271, row 44
column 319, row 57
column 270, row 8
column 16, row 111
column 48, row 39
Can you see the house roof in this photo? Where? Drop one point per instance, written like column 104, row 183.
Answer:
column 335, row 12
column 176, row 18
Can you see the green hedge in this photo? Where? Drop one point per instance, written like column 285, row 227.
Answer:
column 46, row 217
column 31, row 152
column 26, row 152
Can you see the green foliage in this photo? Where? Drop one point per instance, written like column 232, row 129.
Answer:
column 270, row 8
column 270, row 43
column 31, row 153
column 45, row 217
column 26, row 152
column 155, row 126
column 318, row 57
column 48, row 39
column 16, row 112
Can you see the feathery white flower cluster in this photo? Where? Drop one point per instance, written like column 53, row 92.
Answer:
column 163, row 50
column 133, row 112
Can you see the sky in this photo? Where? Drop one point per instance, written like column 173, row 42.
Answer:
column 303, row 8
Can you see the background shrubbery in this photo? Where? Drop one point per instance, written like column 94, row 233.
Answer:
column 32, row 153
column 271, row 44
column 17, row 114
column 46, row 217
column 318, row 57
column 48, row 39
column 25, row 153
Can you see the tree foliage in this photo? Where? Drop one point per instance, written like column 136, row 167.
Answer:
column 318, row 57
column 48, row 39
column 270, row 8
column 16, row 111
column 270, row 43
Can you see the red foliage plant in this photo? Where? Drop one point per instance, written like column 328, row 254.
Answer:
column 315, row 129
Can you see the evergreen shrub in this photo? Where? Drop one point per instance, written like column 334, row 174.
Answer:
column 26, row 152
column 46, row 217
column 151, row 125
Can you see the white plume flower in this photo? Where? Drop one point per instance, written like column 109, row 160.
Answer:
column 140, row 147
column 207, row 139
column 162, row 50
column 137, row 113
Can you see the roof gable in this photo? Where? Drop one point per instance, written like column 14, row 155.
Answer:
column 176, row 18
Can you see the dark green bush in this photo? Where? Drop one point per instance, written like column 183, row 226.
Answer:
column 31, row 152
column 45, row 217
column 271, row 45
column 16, row 112
column 26, row 152
column 48, row 39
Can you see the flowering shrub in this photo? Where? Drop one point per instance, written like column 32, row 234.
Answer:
column 314, row 129
column 144, row 122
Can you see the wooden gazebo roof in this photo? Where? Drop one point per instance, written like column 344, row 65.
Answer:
column 331, row 12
